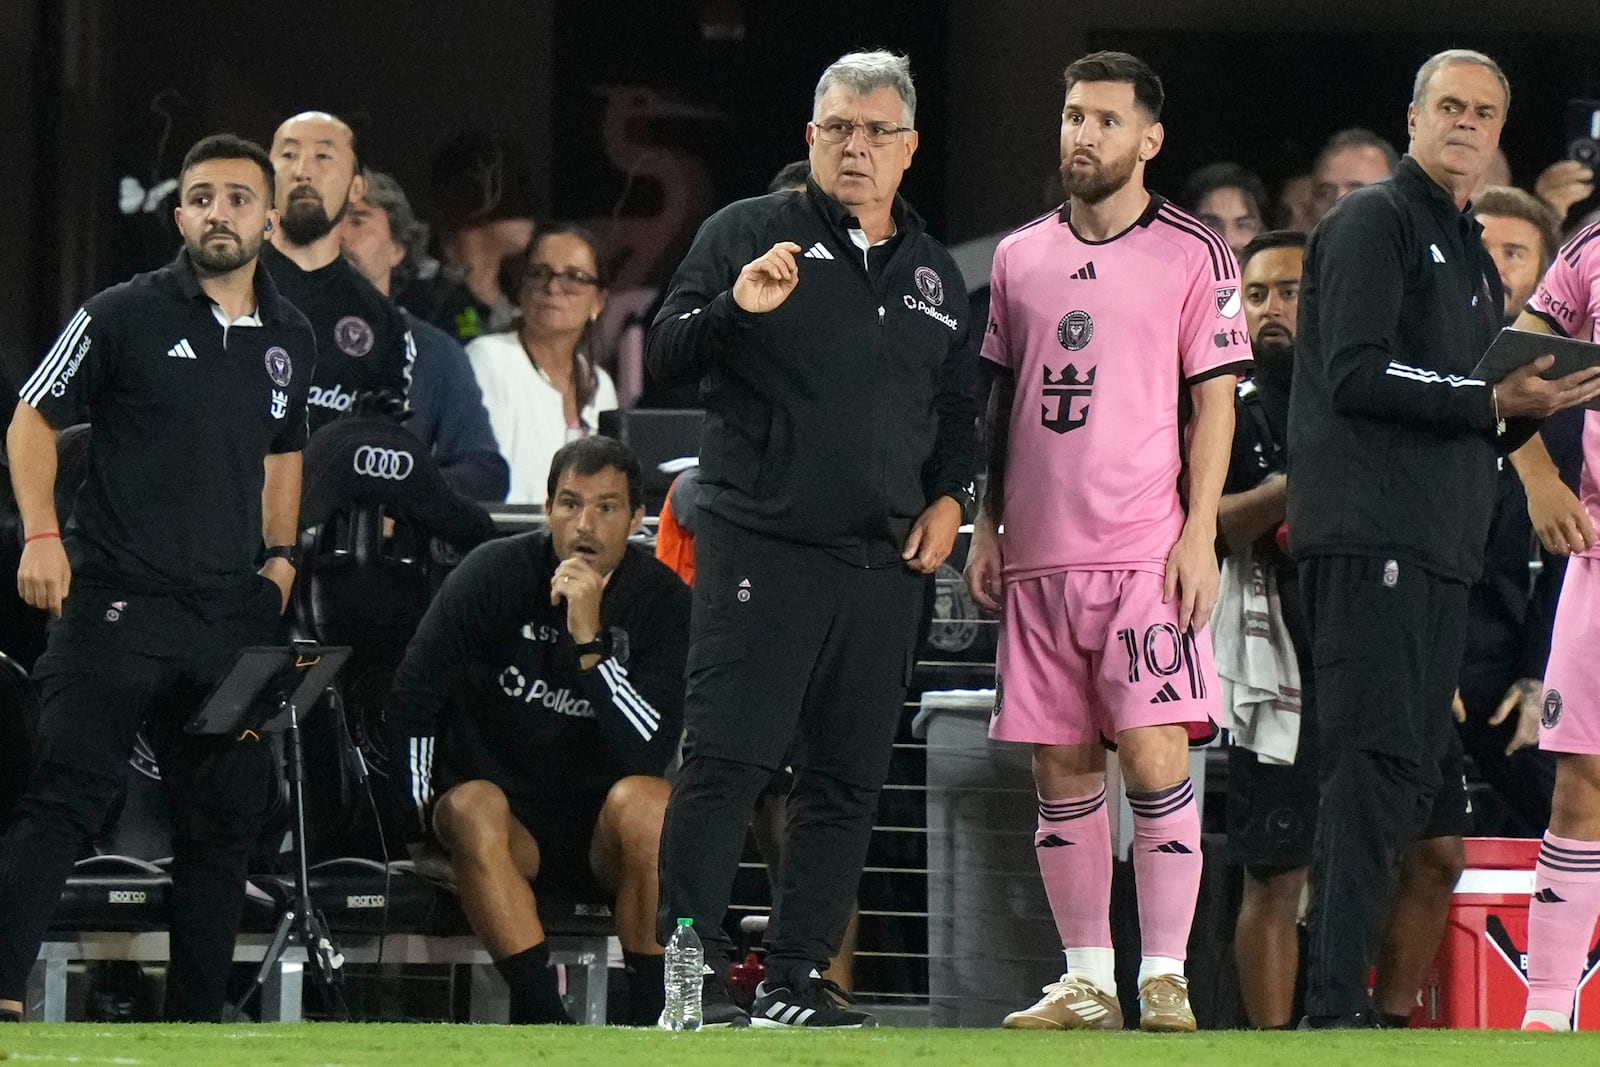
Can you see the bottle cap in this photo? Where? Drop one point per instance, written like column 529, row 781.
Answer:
column 685, row 922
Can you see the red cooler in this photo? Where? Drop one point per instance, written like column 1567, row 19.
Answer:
column 1479, row 980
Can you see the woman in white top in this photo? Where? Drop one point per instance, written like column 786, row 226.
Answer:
column 539, row 381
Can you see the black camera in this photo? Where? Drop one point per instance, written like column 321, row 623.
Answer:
column 1583, row 132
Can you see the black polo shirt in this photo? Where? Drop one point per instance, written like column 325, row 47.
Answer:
column 363, row 345
column 184, row 410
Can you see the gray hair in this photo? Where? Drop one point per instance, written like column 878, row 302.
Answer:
column 409, row 232
column 864, row 72
column 1425, row 73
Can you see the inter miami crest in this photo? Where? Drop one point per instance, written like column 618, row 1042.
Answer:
column 1066, row 399
column 1550, row 714
column 279, row 368
column 1075, row 331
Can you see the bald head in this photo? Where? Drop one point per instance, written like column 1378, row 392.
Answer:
column 318, row 169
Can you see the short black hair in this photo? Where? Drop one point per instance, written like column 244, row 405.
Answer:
column 230, row 146
column 791, row 175
column 1120, row 67
column 591, row 455
column 1214, row 176
column 1266, row 242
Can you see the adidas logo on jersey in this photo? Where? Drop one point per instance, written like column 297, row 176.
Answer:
column 181, row 350
column 1175, row 848
column 1165, row 694
column 816, row 251
column 1084, row 273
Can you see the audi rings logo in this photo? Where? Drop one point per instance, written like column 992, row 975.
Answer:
column 392, row 463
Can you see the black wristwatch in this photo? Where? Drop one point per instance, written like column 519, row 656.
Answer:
column 600, row 646
column 964, row 497
column 288, row 552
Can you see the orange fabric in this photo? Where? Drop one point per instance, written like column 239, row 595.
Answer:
column 674, row 544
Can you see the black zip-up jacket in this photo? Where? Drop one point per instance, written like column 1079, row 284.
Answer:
column 1391, row 441
column 836, row 418
column 492, row 685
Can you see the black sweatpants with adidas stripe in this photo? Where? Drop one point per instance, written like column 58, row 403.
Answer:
column 1386, row 644
column 795, row 657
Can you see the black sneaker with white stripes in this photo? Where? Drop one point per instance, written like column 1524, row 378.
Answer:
column 812, row 1002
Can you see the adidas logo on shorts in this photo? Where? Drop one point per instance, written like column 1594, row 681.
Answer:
column 1165, row 694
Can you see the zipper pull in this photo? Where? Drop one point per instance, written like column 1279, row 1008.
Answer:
column 880, row 314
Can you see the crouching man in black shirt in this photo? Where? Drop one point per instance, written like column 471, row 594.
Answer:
column 194, row 379
column 542, row 697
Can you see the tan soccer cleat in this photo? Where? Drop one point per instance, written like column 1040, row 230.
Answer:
column 1164, row 1005
column 1074, row 1003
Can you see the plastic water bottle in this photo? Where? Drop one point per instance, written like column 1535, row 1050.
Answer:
column 685, row 967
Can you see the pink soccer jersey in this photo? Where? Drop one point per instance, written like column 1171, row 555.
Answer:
column 1568, row 298
column 1104, row 337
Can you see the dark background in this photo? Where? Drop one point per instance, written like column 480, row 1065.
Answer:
column 91, row 87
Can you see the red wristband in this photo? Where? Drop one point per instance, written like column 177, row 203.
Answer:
column 31, row 538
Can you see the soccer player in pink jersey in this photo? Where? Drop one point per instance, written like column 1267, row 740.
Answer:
column 1566, row 898
column 1115, row 341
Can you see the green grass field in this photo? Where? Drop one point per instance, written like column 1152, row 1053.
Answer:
column 389, row 1045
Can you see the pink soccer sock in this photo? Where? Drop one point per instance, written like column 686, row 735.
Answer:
column 1073, row 844
column 1561, row 918
column 1166, row 866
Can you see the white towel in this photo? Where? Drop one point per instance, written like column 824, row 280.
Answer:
column 1256, row 661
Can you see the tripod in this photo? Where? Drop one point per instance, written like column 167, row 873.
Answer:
column 283, row 681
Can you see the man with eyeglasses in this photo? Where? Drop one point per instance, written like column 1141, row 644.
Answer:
column 830, row 335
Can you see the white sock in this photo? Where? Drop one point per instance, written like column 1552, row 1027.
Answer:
column 1151, row 966
column 1099, row 965
column 1553, row 1019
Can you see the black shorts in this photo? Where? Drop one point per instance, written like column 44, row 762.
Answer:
column 564, row 832
column 1452, row 805
column 565, row 835
column 1272, row 809
column 796, row 656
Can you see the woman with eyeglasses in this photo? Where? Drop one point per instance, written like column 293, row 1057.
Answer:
column 540, row 381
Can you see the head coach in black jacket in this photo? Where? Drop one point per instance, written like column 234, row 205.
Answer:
column 830, row 336
column 1391, row 484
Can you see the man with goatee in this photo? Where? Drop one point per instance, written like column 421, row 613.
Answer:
column 363, row 345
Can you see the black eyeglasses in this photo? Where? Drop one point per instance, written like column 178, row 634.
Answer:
column 878, row 133
column 571, row 280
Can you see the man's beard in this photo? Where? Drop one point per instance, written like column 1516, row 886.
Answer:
column 1274, row 353
column 228, row 256
column 1099, row 182
column 305, row 220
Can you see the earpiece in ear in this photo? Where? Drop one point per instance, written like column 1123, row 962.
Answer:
column 269, row 227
